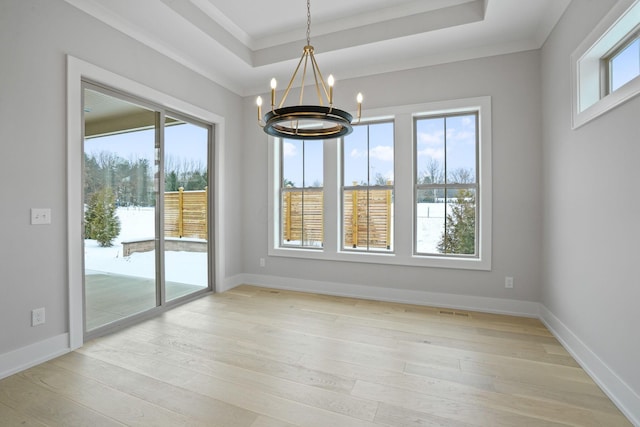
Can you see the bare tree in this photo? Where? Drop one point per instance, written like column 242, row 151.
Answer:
column 461, row 176
column 433, row 173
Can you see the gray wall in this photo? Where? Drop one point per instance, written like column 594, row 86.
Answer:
column 513, row 82
column 35, row 36
column 554, row 228
column 591, row 208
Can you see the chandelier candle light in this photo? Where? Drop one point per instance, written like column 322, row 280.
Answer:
column 307, row 121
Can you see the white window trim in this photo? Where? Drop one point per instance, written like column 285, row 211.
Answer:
column 367, row 250
column 404, row 194
column 77, row 70
column 586, row 70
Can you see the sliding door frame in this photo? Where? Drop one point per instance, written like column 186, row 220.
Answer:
column 77, row 72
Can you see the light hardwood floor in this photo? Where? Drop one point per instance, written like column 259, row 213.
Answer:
column 257, row 357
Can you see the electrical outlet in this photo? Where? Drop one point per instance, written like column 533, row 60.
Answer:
column 262, row 262
column 37, row 316
column 508, row 282
column 40, row 216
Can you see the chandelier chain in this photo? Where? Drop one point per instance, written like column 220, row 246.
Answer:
column 308, row 22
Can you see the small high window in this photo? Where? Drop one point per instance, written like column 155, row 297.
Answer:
column 623, row 65
column 606, row 65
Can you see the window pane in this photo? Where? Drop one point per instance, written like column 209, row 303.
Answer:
column 186, row 200
column 350, row 218
column 446, row 226
column 625, row 66
column 380, row 219
column 461, row 149
column 292, row 217
column 313, row 163
column 368, row 155
column 120, row 209
column 292, row 163
column 430, row 150
column 302, row 195
column 445, row 209
column 302, row 218
column 368, row 219
column 355, row 157
column 430, row 220
column 312, row 226
column 380, row 153
column 356, row 220
column 459, row 234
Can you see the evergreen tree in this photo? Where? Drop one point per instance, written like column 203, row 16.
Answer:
column 92, row 181
column 171, row 181
column 460, row 232
column 196, row 181
column 101, row 222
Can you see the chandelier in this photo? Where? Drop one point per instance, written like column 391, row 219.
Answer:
column 307, row 121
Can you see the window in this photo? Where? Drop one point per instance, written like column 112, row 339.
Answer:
column 623, row 65
column 439, row 195
column 301, row 193
column 446, row 184
column 367, row 188
column 606, row 65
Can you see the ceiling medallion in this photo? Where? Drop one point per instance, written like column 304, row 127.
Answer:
column 307, row 121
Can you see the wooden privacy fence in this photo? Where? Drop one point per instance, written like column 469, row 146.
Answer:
column 302, row 215
column 367, row 217
column 185, row 213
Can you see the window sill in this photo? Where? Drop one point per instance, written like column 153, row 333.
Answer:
column 607, row 103
column 385, row 258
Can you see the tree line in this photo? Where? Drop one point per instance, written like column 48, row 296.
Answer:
column 131, row 180
column 111, row 181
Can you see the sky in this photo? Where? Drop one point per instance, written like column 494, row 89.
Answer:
column 366, row 157
column 626, row 65
column 303, row 160
column 450, row 141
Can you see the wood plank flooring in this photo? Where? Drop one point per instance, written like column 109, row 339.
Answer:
column 255, row 357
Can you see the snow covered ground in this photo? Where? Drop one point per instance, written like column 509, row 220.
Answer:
column 191, row 267
column 139, row 223
column 430, row 225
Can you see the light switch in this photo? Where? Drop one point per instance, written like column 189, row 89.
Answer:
column 40, row 216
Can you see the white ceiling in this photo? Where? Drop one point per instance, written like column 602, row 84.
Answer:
column 241, row 44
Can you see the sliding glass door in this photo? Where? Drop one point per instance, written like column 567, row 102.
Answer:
column 146, row 208
column 186, row 195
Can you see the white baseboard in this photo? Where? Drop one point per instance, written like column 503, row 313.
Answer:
column 618, row 391
column 34, row 354
column 230, row 282
column 460, row 302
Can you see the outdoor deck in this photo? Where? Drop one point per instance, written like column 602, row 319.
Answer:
column 110, row 297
